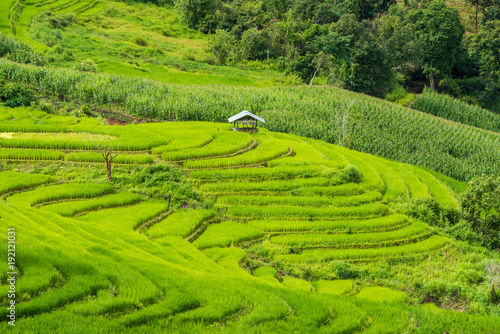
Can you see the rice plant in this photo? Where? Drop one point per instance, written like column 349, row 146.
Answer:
column 71, row 208
column 320, row 255
column 225, row 234
column 180, row 223
column 354, row 225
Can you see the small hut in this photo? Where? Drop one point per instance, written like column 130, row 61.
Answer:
column 247, row 120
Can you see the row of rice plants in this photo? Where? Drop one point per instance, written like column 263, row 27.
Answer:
column 226, row 234
column 180, row 223
column 136, row 257
column 273, row 186
column 337, row 287
column 30, row 127
column 224, row 143
column 59, row 192
column 305, row 154
column 348, row 189
column 366, row 211
column 438, row 191
column 306, row 171
column 381, row 294
column 37, row 275
column 97, row 157
column 359, row 226
column 71, row 208
column 28, row 154
column 269, row 148
column 11, row 181
column 359, row 254
column 450, row 108
column 310, row 201
column 415, row 187
column 411, row 231
column 181, row 141
column 78, row 283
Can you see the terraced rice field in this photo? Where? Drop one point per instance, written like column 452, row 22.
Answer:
column 95, row 260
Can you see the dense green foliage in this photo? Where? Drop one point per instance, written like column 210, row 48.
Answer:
column 19, row 52
column 455, row 110
column 481, row 209
column 166, row 259
column 372, row 125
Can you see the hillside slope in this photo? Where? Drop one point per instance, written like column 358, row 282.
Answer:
column 147, row 269
column 136, row 39
column 371, row 125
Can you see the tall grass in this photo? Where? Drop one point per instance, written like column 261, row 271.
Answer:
column 320, row 255
column 15, row 181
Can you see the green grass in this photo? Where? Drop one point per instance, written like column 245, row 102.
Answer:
column 380, row 294
column 310, row 201
column 108, row 260
column 365, row 225
column 447, row 107
column 26, row 154
column 180, row 223
column 225, row 234
column 296, row 283
column 367, row 211
column 224, row 143
column 269, row 148
column 59, row 192
column 423, row 247
column 97, row 157
column 337, row 287
column 16, row 181
column 414, row 230
column 71, row 208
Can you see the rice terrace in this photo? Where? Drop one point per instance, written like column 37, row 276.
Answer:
column 273, row 166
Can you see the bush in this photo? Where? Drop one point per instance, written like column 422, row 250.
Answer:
column 86, row 66
column 162, row 181
column 342, row 270
column 15, row 95
column 19, row 52
column 481, row 209
column 429, row 211
column 139, row 41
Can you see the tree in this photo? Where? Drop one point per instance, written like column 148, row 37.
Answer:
column 254, row 44
column 485, row 46
column 439, row 33
column 396, row 38
column 367, row 69
column 198, row 14
column 108, row 153
column 328, row 46
column 477, row 5
column 277, row 8
column 481, row 209
column 221, row 45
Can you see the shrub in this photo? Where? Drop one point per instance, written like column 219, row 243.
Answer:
column 140, row 41
column 15, row 95
column 429, row 211
column 342, row 270
column 481, row 208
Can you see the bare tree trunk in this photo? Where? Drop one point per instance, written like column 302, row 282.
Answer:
column 108, row 153
column 477, row 5
column 108, row 169
column 433, row 84
column 317, row 69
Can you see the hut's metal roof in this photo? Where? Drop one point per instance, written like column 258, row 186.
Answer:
column 243, row 114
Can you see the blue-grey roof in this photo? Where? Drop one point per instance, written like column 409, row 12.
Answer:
column 243, row 114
